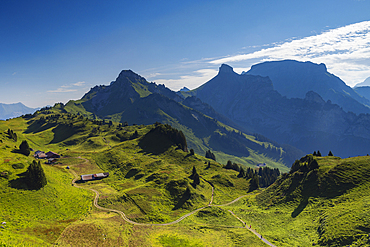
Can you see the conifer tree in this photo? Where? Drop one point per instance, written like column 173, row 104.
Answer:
column 254, row 182
column 318, row 154
column 241, row 173
column 25, row 148
column 193, row 172
column 210, row 155
column 196, row 180
column 313, row 164
column 35, row 175
column 195, row 176
column 209, row 165
column 330, row 153
column 229, row 165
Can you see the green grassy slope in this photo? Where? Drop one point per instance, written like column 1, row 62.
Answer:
column 34, row 217
column 202, row 132
column 326, row 206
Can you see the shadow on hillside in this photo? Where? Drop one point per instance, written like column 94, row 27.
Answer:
column 231, row 145
column 154, row 144
column 185, row 197
column 20, row 183
column 300, row 207
column 36, row 127
column 61, row 133
column 16, row 151
column 189, row 155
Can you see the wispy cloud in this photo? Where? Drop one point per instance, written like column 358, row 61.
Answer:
column 68, row 88
column 79, row 84
column 344, row 50
column 62, row 90
column 191, row 81
column 153, row 75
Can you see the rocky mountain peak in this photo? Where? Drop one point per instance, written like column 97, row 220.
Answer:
column 225, row 69
column 323, row 67
column 184, row 89
column 128, row 74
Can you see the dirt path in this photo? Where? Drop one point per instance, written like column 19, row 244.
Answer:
column 124, row 217
column 252, row 230
column 97, row 195
column 226, row 204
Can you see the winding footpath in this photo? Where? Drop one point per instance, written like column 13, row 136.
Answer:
column 124, row 217
column 252, row 230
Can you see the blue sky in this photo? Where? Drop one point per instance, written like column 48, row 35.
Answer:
column 53, row 51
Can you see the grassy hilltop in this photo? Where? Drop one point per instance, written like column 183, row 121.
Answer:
column 322, row 200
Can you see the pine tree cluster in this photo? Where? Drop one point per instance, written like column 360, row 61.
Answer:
column 12, row 135
column 173, row 134
column 210, row 155
column 267, row 176
column 262, row 177
column 305, row 164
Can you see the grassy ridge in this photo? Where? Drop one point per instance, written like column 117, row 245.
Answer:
column 326, row 206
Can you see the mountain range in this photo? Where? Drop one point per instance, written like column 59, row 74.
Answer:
column 364, row 91
column 131, row 99
column 308, row 123
column 14, row 110
column 275, row 112
column 294, row 79
column 366, row 82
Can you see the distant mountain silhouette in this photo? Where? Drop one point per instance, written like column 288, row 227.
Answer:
column 364, row 91
column 14, row 110
column 364, row 83
column 309, row 124
column 294, row 79
column 184, row 89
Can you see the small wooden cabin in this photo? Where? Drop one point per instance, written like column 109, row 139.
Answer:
column 96, row 176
